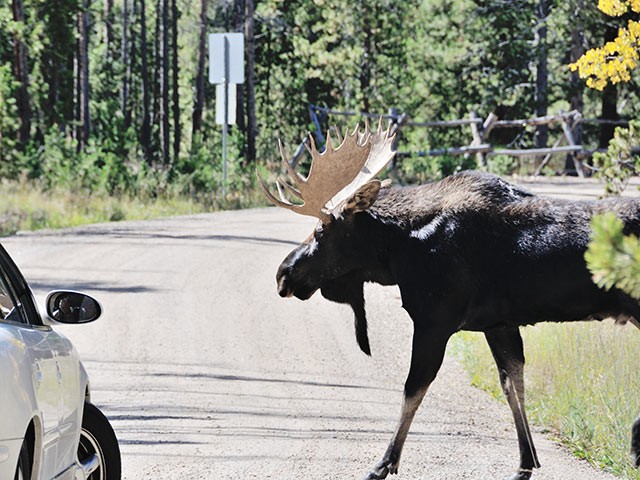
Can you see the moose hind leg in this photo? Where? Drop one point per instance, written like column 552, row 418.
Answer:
column 426, row 359
column 635, row 443
column 506, row 347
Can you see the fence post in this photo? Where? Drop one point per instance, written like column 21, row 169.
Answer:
column 547, row 158
column 477, row 139
column 577, row 162
column 488, row 125
column 397, row 122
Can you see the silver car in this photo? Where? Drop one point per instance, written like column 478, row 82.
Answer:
column 49, row 429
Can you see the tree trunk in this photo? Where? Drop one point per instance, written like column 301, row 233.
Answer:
column 576, row 84
column 250, row 154
column 609, row 112
column 145, row 132
column 21, row 73
column 198, row 104
column 109, row 45
column 108, row 26
column 368, row 57
column 157, row 73
column 609, row 100
column 238, row 25
column 124, row 98
column 235, row 21
column 134, row 87
column 83, row 76
column 164, row 84
column 542, row 74
column 177, row 132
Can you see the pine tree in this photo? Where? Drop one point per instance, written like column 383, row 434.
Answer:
column 21, row 73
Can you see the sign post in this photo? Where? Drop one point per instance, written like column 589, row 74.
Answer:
column 225, row 126
column 226, row 69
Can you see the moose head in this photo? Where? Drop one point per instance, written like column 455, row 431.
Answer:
column 341, row 184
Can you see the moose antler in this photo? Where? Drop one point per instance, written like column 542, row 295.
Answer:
column 336, row 173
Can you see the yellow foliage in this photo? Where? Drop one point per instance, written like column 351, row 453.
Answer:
column 615, row 8
column 613, row 61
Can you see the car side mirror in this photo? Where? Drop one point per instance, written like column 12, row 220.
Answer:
column 66, row 306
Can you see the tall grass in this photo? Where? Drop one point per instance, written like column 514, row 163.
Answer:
column 25, row 206
column 582, row 384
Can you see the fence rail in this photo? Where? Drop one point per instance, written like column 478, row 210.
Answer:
column 480, row 130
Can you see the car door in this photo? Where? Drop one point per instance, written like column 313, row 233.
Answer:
column 71, row 397
column 47, row 392
column 18, row 311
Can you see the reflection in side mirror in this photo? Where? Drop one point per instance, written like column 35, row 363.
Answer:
column 72, row 307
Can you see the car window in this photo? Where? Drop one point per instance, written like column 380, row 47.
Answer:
column 9, row 309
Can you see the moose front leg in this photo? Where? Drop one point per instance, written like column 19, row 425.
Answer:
column 507, row 350
column 426, row 359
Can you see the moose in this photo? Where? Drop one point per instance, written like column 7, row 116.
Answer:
column 468, row 252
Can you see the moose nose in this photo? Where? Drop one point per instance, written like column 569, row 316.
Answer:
column 283, row 287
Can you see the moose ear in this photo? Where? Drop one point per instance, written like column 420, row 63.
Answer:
column 364, row 197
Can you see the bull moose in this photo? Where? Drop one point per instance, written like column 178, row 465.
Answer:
column 469, row 252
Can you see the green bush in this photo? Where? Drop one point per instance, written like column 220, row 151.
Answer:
column 612, row 257
column 9, row 153
column 501, row 164
column 619, row 162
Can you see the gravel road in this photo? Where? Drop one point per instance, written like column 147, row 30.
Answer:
column 206, row 373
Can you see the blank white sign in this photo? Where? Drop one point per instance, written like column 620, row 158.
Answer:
column 231, row 100
column 235, row 42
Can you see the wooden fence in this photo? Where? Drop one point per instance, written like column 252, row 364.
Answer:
column 480, row 129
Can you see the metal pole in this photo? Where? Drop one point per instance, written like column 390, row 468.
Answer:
column 226, row 116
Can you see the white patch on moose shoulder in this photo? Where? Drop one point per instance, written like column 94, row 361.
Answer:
column 428, row 230
column 313, row 246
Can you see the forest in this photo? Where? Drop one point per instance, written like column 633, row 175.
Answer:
column 113, row 96
column 106, row 113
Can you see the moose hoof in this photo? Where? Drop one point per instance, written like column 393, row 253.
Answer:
column 380, row 471
column 521, row 475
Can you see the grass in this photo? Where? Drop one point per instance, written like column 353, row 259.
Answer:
column 582, row 385
column 25, row 207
